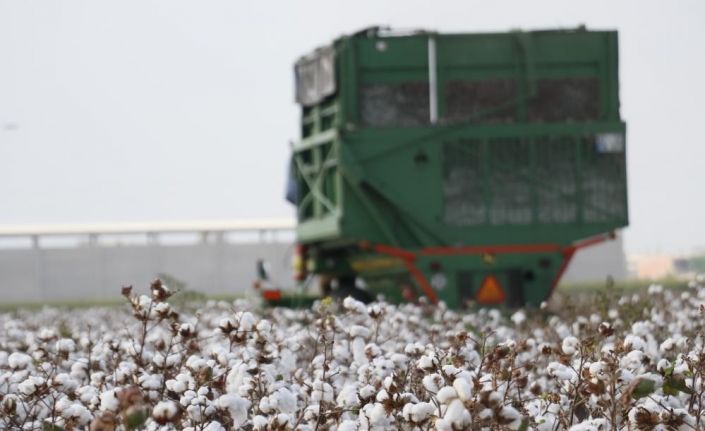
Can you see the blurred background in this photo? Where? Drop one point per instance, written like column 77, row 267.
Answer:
column 151, row 138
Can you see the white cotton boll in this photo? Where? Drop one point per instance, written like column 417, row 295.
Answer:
column 109, row 401
column 246, row 321
column 421, row 411
column 463, row 389
column 655, row 289
column 265, row 405
column 509, row 343
column 28, row 386
column 177, row 385
column 372, row 350
column 378, row 415
column 359, row 331
column 446, row 394
column 77, row 413
column 88, row 396
column 399, row 359
column 65, row 345
column 432, row 382
column 625, row 376
column 599, row 370
column 388, row 382
column 443, row 424
column 634, row 342
column 64, row 382
column 358, row 350
column 547, row 422
column 414, row 349
column 354, row 305
column 632, row 360
column 406, row 411
column 668, row 345
column 259, row 423
column 151, row 381
column 682, row 342
column 164, row 411
column 348, row 425
column 510, row 417
column 79, row 370
column 236, row 406
column 264, row 326
column 19, row 361
column 457, row 414
column 570, row 345
column 662, row 365
column 367, row 391
column 382, row 396
column 214, row 426
column 519, row 317
column 426, row 362
column 321, row 392
column 347, row 396
column 560, row 371
column 285, row 400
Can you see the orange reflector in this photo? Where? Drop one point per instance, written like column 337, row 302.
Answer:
column 490, row 291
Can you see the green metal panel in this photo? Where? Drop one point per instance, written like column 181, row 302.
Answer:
column 527, row 146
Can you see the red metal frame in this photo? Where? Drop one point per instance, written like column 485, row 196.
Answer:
column 409, row 257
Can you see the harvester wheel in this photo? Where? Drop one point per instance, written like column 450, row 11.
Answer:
column 346, row 287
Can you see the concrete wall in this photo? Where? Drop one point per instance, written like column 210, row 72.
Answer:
column 91, row 272
column 596, row 263
column 100, row 272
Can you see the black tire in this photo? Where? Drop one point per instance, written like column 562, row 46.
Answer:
column 346, row 287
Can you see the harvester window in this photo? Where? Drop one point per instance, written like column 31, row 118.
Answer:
column 395, row 104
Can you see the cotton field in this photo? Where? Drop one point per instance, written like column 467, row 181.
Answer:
column 603, row 362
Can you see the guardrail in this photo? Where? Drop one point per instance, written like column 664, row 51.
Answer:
column 147, row 233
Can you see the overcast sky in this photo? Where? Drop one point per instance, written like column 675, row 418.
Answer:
column 173, row 110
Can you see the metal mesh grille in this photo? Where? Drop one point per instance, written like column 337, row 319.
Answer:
column 565, row 99
column 481, row 101
column 604, row 181
column 463, row 183
column 397, row 104
column 515, row 181
column 510, row 184
column 556, row 185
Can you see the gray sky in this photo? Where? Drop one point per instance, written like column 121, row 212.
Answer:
column 171, row 110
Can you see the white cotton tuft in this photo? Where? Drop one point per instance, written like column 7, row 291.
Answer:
column 463, row 389
column 570, row 345
column 446, row 394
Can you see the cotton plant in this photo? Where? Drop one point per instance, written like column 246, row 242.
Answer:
column 635, row 362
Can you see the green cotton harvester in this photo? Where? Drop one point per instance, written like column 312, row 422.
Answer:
column 464, row 168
